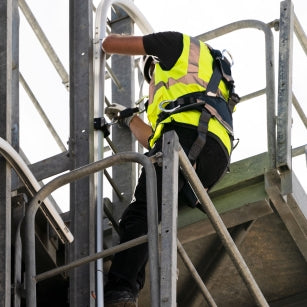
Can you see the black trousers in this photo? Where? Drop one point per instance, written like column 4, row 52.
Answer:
column 128, row 267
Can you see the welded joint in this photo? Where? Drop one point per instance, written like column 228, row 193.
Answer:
column 157, row 158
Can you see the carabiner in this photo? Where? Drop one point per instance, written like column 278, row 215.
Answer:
column 167, row 110
column 226, row 52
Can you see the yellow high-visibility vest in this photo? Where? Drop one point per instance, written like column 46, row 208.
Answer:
column 190, row 74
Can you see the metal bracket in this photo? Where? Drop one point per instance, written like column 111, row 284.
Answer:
column 101, row 124
column 157, row 158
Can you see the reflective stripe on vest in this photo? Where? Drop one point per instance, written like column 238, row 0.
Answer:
column 190, row 74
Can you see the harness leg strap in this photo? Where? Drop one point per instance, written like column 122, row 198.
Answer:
column 200, row 141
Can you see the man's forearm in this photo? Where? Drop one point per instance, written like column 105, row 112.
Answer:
column 141, row 130
column 123, row 44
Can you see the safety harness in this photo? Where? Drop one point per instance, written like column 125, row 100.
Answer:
column 206, row 103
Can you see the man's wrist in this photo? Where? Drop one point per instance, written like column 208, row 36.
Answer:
column 129, row 119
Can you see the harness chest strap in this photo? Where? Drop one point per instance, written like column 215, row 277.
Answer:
column 192, row 103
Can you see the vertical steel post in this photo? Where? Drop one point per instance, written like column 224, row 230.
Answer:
column 15, row 144
column 169, row 219
column 15, row 76
column 284, row 119
column 123, row 69
column 82, row 279
column 5, row 132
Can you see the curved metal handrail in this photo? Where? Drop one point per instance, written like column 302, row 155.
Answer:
column 32, row 185
column 270, row 76
column 151, row 191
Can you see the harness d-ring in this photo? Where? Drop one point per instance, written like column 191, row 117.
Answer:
column 226, row 52
column 167, row 110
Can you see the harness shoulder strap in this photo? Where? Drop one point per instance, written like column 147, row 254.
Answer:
column 221, row 70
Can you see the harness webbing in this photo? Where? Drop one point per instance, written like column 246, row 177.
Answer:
column 214, row 80
column 200, row 141
column 221, row 71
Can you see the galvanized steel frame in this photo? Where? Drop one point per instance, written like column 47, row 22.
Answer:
column 128, row 6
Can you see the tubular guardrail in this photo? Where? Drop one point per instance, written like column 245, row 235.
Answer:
column 32, row 185
column 37, row 200
column 270, row 76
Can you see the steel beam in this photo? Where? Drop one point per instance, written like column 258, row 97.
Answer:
column 15, row 76
column 169, row 209
column 6, row 47
column 123, row 69
column 284, row 118
column 45, row 43
column 82, row 279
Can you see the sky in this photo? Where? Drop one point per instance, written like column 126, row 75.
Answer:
column 194, row 17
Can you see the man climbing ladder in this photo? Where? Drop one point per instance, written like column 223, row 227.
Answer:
column 191, row 91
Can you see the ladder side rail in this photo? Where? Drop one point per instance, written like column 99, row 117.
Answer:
column 221, row 229
column 100, row 66
column 19, row 217
column 189, row 265
column 169, row 242
column 300, row 34
column 302, row 38
column 169, row 215
column 299, row 110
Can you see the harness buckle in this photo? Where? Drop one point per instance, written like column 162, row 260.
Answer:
column 162, row 108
